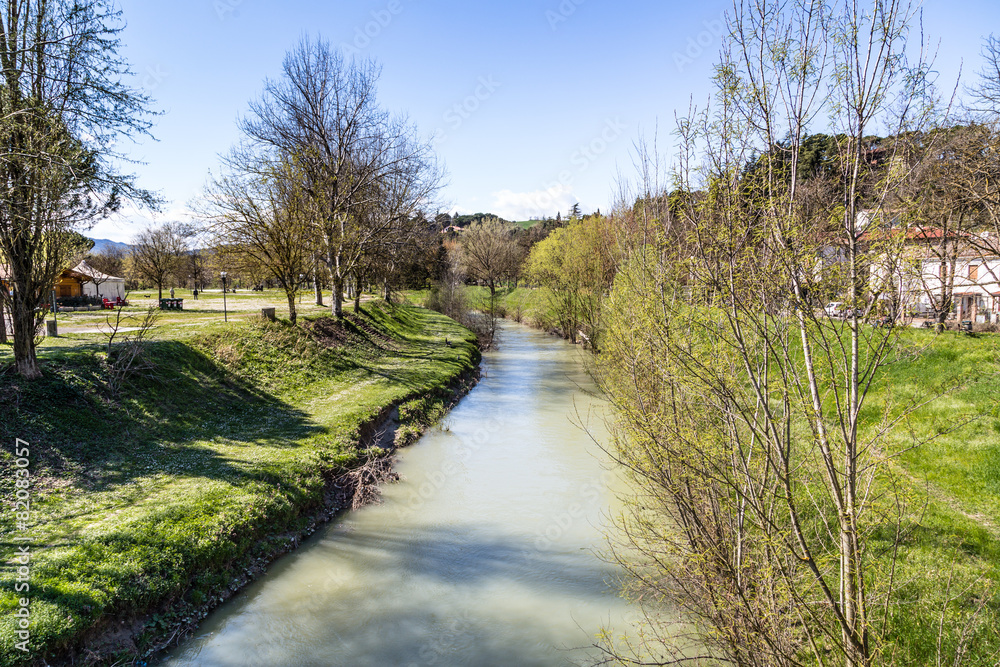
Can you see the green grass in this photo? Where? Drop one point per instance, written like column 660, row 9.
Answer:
column 152, row 502
column 948, row 468
column 941, row 465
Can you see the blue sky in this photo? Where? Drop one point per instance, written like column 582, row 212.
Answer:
column 535, row 104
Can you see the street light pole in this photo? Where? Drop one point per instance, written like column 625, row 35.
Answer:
column 225, row 310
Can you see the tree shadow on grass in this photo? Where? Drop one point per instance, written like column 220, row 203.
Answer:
column 76, row 428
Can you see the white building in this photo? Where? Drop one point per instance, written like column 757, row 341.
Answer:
column 976, row 291
column 100, row 284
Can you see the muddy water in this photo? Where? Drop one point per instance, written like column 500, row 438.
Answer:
column 482, row 555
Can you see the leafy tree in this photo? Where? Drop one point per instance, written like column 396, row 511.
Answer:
column 763, row 484
column 63, row 107
column 576, row 264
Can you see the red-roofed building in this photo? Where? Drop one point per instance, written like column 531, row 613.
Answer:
column 925, row 268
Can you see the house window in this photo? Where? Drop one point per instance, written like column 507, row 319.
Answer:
column 973, row 272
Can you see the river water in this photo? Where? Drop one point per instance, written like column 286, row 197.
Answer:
column 483, row 554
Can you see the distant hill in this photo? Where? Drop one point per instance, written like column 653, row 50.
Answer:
column 446, row 220
column 101, row 244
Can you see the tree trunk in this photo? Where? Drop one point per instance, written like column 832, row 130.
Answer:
column 3, row 323
column 160, row 288
column 338, row 296
column 318, row 289
column 386, row 290
column 337, row 278
column 23, row 319
column 292, row 314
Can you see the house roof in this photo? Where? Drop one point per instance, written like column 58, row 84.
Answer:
column 913, row 233
column 925, row 233
column 88, row 272
column 82, row 271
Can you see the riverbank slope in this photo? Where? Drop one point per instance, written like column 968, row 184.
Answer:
column 150, row 507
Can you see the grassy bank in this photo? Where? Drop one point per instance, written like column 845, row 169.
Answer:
column 930, row 431
column 949, row 551
column 147, row 506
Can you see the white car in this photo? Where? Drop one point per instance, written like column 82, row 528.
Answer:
column 834, row 309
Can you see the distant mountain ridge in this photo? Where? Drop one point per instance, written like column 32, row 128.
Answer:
column 101, row 244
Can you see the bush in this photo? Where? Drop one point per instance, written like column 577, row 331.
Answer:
column 453, row 300
column 78, row 301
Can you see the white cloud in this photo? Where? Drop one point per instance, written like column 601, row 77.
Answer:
column 130, row 221
column 525, row 205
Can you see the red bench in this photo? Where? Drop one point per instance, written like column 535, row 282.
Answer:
column 117, row 303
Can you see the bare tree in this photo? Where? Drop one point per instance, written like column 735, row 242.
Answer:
column 157, row 252
column 404, row 191
column 127, row 357
column 760, row 483
column 488, row 250
column 945, row 200
column 323, row 110
column 110, row 260
column 259, row 214
column 102, row 266
column 986, row 92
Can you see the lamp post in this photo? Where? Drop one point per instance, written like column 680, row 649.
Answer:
column 225, row 310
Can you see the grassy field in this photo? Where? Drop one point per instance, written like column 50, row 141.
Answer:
column 148, row 505
column 210, row 308
column 949, row 559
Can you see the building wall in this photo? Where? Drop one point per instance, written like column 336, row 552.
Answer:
column 67, row 287
column 111, row 289
column 976, row 288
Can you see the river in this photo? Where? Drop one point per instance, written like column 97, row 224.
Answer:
column 483, row 554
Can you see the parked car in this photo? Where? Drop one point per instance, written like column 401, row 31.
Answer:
column 834, row 309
